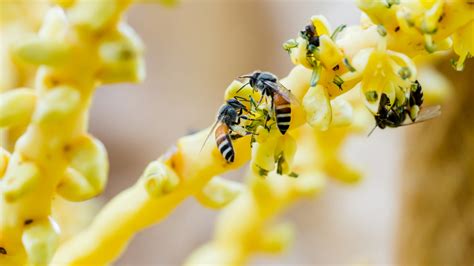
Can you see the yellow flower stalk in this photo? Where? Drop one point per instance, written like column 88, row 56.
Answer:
column 55, row 154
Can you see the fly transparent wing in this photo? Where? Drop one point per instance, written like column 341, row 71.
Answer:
column 425, row 114
column 209, row 134
column 428, row 113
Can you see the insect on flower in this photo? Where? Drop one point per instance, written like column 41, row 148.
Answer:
column 309, row 33
column 227, row 128
column 280, row 97
column 396, row 115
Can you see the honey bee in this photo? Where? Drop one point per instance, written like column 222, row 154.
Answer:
column 226, row 128
column 280, row 97
column 396, row 115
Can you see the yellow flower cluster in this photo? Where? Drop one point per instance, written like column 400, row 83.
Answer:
column 85, row 43
column 378, row 54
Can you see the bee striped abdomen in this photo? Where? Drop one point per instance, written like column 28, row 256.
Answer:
column 283, row 113
column 224, row 143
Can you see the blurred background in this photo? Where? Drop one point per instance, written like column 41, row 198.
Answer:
column 415, row 204
column 193, row 51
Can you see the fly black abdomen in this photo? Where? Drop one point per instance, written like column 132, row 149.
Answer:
column 416, row 94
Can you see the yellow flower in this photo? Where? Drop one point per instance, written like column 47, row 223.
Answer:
column 416, row 27
column 463, row 40
column 384, row 71
column 333, row 74
column 315, row 46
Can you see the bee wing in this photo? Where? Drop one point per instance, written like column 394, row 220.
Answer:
column 284, row 92
column 210, row 133
column 425, row 114
column 428, row 113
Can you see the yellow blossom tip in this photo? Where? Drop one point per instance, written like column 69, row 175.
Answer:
column 43, row 52
column 277, row 238
column 317, row 107
column 159, row 179
column 22, row 181
column 40, row 239
column 322, row 25
column 16, row 107
column 219, row 193
column 86, row 176
column 121, row 55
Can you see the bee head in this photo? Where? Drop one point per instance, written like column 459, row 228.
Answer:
column 227, row 114
column 254, row 77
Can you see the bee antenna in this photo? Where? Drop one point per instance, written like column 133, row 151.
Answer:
column 213, row 127
column 243, row 86
column 245, row 77
column 370, row 133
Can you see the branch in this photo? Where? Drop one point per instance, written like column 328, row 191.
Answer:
column 55, row 152
column 134, row 209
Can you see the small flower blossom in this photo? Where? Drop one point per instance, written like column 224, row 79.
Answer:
column 316, row 49
column 384, row 71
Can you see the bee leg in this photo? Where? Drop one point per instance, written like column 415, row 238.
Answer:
column 260, row 101
column 272, row 106
column 252, row 103
column 246, row 118
column 240, row 98
column 241, row 112
column 267, row 118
